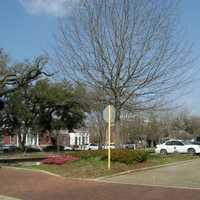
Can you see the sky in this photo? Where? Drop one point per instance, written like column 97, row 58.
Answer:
column 27, row 29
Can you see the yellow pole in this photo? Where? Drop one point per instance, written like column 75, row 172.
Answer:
column 109, row 130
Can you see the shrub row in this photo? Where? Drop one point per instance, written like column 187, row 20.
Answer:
column 89, row 154
column 117, row 155
column 129, row 156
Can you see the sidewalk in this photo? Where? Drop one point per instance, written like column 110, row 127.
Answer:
column 7, row 198
column 179, row 175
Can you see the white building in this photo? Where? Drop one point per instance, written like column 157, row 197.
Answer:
column 79, row 138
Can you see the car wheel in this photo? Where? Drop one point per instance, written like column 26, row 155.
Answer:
column 191, row 151
column 5, row 151
column 163, row 151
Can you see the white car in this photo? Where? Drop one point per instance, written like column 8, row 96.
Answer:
column 128, row 146
column 67, row 148
column 112, row 146
column 91, row 147
column 177, row 146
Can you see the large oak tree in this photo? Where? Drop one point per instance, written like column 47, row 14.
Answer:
column 130, row 49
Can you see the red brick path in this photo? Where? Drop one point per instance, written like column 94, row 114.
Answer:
column 38, row 186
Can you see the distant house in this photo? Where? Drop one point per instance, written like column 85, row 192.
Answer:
column 77, row 137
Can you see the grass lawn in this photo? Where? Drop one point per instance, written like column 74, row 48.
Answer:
column 94, row 167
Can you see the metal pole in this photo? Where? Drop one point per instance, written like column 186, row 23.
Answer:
column 109, row 130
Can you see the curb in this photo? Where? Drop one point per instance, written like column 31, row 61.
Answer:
column 154, row 186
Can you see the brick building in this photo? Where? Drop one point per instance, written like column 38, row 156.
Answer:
column 78, row 137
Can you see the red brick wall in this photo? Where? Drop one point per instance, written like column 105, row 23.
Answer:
column 45, row 139
column 64, row 140
column 6, row 139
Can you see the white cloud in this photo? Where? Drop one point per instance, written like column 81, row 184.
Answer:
column 57, row 8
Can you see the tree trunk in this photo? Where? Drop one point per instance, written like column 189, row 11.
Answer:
column 100, row 139
column 53, row 141
column 22, row 140
column 117, row 137
column 57, row 141
column 101, row 130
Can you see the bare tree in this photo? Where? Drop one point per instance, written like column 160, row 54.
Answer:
column 130, row 49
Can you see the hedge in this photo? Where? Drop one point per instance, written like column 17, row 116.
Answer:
column 117, row 155
column 128, row 156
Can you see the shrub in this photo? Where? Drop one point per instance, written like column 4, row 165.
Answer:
column 59, row 160
column 141, row 155
column 129, row 156
column 88, row 154
column 117, row 155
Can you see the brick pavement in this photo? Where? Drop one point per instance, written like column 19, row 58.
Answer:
column 29, row 185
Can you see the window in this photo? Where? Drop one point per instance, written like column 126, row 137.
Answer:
column 83, row 140
column 169, row 143
column 76, row 140
column 94, row 145
column 178, row 143
column 79, row 140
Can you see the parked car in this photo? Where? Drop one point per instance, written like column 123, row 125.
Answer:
column 76, row 147
column 12, row 147
column 179, row 146
column 53, row 148
column 112, row 146
column 32, row 148
column 67, row 148
column 129, row 146
column 91, row 146
column 7, row 148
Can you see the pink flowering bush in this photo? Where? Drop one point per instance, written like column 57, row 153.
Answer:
column 59, row 160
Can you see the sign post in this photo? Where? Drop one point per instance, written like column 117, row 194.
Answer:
column 109, row 116
column 2, row 104
column 109, row 130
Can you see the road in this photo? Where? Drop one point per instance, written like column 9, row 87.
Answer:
column 28, row 185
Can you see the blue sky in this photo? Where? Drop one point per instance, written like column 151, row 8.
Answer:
column 27, row 30
column 24, row 35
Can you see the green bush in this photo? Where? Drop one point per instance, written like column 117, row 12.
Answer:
column 117, row 155
column 88, row 154
column 141, row 155
column 129, row 156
